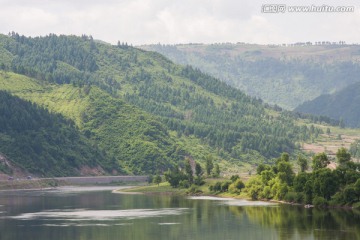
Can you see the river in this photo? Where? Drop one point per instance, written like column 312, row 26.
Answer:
column 89, row 213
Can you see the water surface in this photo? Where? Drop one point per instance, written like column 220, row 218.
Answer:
column 96, row 213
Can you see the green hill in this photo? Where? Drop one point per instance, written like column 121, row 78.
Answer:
column 44, row 143
column 144, row 112
column 343, row 104
column 282, row 75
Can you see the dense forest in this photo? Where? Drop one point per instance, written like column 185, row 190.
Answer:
column 44, row 143
column 282, row 75
column 144, row 112
column 342, row 105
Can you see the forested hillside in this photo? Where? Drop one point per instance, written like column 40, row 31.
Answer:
column 44, row 143
column 342, row 105
column 282, row 75
column 144, row 112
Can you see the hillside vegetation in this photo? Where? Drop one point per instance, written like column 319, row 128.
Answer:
column 282, row 75
column 141, row 110
column 44, row 143
column 342, row 105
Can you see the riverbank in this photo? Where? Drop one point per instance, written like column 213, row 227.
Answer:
column 40, row 183
column 166, row 189
column 31, row 184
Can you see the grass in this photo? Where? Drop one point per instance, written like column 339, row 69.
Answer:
column 164, row 188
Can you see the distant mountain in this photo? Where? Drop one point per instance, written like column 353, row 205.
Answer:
column 282, row 75
column 343, row 104
column 145, row 113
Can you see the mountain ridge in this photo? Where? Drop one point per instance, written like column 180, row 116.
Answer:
column 146, row 113
column 341, row 105
column 283, row 75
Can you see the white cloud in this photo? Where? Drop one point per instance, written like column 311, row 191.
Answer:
column 178, row 21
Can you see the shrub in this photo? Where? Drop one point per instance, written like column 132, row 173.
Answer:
column 319, row 201
column 184, row 184
column 233, row 178
column 193, row 190
column 297, row 197
column 225, row 186
column 266, row 193
column 236, row 186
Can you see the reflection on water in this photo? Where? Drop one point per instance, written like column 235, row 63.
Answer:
column 93, row 214
column 99, row 215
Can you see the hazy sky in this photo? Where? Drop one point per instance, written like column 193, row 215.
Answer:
column 180, row 21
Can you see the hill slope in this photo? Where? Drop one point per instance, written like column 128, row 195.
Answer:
column 142, row 110
column 343, row 104
column 44, row 143
column 124, row 132
column 282, row 75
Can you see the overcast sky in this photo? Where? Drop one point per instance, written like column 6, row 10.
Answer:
column 180, row 21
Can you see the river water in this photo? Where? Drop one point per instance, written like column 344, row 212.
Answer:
column 97, row 213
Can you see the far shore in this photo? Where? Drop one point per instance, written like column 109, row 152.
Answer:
column 166, row 189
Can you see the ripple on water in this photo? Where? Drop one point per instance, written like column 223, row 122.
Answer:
column 170, row 223
column 233, row 201
column 99, row 215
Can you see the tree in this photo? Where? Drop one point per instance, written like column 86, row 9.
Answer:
column 328, row 131
column 157, row 179
column 343, row 156
column 188, row 171
column 209, row 165
column 216, row 172
column 320, row 160
column 357, row 189
column 285, row 172
column 174, row 176
column 325, row 183
column 285, row 157
column 303, row 163
column 233, row 178
column 300, row 181
column 198, row 172
column 262, row 167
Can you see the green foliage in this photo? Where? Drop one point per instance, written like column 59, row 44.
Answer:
column 254, row 187
column 233, row 178
column 319, row 202
column 300, row 181
column 181, row 99
column 199, row 175
column 325, row 184
column 355, row 149
column 262, row 167
column 320, row 187
column 216, row 172
column 188, row 171
column 44, row 143
column 236, row 186
column 297, row 76
column 194, row 190
column 341, row 105
column 184, row 183
column 319, row 161
column 209, row 164
column 303, row 163
column 157, row 179
column 175, row 176
column 343, row 156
